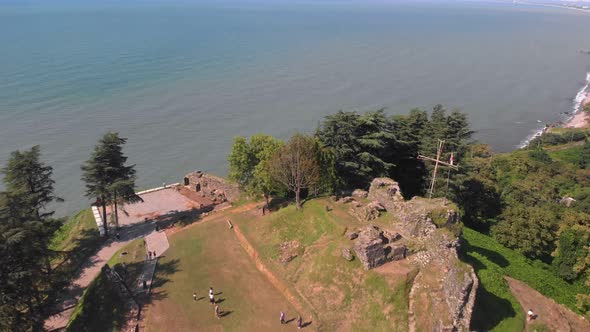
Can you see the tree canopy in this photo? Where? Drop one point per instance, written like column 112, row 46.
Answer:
column 296, row 165
column 26, row 229
column 107, row 178
column 249, row 164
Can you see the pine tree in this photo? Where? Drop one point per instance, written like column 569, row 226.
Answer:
column 25, row 174
column 107, row 178
column 26, row 230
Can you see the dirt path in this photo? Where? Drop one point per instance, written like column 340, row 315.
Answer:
column 551, row 314
column 88, row 272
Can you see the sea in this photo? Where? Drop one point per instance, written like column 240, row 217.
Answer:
column 181, row 79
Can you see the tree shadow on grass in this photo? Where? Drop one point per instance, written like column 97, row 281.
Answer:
column 163, row 270
column 489, row 309
column 492, row 256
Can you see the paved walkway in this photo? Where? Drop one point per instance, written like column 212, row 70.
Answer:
column 158, row 242
column 89, row 271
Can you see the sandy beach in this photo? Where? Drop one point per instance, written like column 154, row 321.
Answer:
column 580, row 119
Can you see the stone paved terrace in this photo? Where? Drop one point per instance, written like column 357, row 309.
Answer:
column 160, row 203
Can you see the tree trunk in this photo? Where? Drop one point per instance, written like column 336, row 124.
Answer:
column 116, row 211
column 48, row 266
column 104, row 217
column 267, row 198
column 297, row 198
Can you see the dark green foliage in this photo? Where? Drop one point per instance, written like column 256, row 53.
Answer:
column 584, row 156
column 570, row 250
column 26, row 230
column 248, row 164
column 27, row 176
column 363, row 145
column 107, row 178
column 540, row 154
column 550, row 139
column 529, row 230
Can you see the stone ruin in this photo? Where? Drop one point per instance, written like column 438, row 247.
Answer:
column 437, row 248
column 375, row 247
column 212, row 187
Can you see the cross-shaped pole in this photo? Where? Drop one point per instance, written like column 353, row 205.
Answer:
column 436, row 162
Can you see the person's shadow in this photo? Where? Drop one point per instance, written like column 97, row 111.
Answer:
column 306, row 324
column 219, row 301
column 225, row 313
column 290, row 320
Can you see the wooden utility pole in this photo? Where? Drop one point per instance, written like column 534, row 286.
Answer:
column 436, row 162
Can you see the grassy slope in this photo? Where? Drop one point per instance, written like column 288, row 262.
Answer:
column 101, row 308
column 77, row 229
column 76, row 241
column 329, row 282
column 496, row 308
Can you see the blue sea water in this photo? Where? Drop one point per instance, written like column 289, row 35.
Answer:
column 181, row 79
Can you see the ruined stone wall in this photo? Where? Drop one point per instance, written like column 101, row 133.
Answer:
column 212, row 186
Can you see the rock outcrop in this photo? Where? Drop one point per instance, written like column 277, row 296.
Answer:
column 374, row 247
column 444, row 284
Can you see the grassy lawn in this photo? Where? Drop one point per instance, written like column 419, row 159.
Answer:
column 101, row 308
column 342, row 294
column 209, row 255
column 496, row 308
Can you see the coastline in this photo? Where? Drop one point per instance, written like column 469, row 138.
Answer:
column 580, row 118
column 576, row 119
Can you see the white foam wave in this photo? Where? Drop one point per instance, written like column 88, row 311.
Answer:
column 577, row 103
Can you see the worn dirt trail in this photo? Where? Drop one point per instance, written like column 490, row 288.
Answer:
column 551, row 314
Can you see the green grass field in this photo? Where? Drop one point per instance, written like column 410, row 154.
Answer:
column 209, row 255
column 496, row 308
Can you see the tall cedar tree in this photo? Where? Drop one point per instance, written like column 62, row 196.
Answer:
column 25, row 174
column 454, row 130
column 28, row 179
column 107, row 178
column 26, row 230
column 363, row 146
column 297, row 165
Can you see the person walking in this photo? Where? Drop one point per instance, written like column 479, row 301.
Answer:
column 195, row 296
column 154, row 254
column 149, row 255
column 211, row 298
column 299, row 323
column 530, row 315
column 282, row 317
column 217, row 312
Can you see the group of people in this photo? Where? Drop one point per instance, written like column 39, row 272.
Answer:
column 218, row 311
column 211, row 300
column 151, row 254
column 284, row 321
